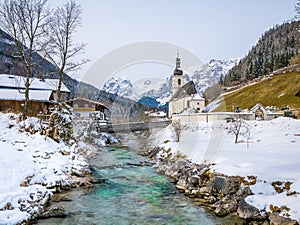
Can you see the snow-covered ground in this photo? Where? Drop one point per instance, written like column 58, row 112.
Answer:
column 30, row 166
column 271, row 154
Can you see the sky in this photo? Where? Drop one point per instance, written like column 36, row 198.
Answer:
column 219, row 29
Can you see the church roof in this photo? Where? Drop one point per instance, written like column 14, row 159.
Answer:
column 186, row 90
column 197, row 97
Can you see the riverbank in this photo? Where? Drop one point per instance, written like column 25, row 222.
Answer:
column 33, row 167
column 262, row 178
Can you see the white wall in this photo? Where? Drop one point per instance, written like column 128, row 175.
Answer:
column 207, row 117
column 194, row 104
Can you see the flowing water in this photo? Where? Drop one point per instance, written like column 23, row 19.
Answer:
column 133, row 193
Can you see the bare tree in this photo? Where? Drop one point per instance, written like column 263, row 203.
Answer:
column 63, row 25
column 26, row 22
column 176, row 124
column 239, row 127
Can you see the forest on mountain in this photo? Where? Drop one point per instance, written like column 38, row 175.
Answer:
column 122, row 108
column 277, row 48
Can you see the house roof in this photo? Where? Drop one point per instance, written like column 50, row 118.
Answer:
column 258, row 105
column 186, row 90
column 87, row 100
column 34, row 95
column 14, row 81
column 197, row 97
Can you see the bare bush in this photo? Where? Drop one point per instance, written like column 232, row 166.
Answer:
column 176, row 124
column 239, row 127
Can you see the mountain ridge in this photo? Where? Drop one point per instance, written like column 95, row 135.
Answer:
column 204, row 76
column 275, row 49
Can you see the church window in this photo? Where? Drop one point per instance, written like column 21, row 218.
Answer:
column 179, row 81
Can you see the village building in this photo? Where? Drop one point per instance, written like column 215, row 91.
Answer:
column 187, row 105
column 185, row 97
column 88, row 109
column 157, row 114
column 42, row 94
column 261, row 113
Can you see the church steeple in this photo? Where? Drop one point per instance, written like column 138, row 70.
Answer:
column 178, row 79
column 177, row 61
column 178, row 71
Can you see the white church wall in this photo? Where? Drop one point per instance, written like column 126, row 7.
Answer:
column 197, row 104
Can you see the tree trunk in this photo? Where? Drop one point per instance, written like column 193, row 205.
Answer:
column 59, row 87
column 27, row 84
column 236, row 138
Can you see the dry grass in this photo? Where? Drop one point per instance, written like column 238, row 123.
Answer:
column 278, row 91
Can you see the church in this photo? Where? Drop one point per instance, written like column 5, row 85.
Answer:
column 185, row 97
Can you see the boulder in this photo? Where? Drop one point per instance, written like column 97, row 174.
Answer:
column 182, row 184
column 246, row 211
column 244, row 192
column 194, row 180
column 55, row 212
column 275, row 219
column 225, row 208
column 231, row 185
column 221, row 211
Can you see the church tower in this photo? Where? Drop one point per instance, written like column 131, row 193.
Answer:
column 178, row 80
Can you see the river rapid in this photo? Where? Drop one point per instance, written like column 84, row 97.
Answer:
column 132, row 193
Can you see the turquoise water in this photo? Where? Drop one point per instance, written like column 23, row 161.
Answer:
column 131, row 194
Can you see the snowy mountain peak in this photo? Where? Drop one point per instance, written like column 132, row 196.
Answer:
column 203, row 76
column 119, row 86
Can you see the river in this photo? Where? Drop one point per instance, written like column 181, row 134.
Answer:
column 133, row 193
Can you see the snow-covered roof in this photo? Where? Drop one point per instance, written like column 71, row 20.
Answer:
column 158, row 114
column 14, row 81
column 257, row 106
column 197, row 97
column 34, row 95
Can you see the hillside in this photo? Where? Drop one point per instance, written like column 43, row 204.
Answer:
column 121, row 108
column 279, row 90
column 274, row 50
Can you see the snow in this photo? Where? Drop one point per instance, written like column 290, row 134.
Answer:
column 35, row 95
column 14, row 81
column 35, row 162
column 11, row 217
column 160, row 89
column 271, row 154
column 197, row 97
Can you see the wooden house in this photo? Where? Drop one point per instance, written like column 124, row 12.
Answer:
column 18, row 82
column 85, row 108
column 12, row 100
column 42, row 94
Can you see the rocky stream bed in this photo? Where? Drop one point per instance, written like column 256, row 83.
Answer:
column 223, row 194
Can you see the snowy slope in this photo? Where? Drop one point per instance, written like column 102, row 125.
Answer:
column 29, row 166
column 272, row 155
column 204, row 76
